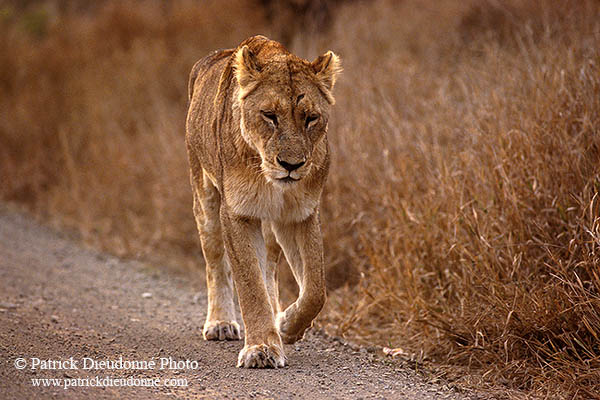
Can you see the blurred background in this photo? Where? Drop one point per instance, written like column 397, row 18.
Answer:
column 461, row 216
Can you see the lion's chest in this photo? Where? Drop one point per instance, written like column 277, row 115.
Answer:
column 259, row 199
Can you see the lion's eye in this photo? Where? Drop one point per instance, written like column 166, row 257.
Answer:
column 269, row 116
column 310, row 119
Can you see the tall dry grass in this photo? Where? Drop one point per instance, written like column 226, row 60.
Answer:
column 467, row 148
column 462, row 210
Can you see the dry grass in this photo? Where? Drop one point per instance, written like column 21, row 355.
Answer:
column 93, row 121
column 464, row 190
column 468, row 158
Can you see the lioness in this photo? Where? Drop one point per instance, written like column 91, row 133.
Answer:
column 257, row 146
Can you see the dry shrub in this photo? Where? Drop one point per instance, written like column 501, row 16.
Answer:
column 463, row 198
column 465, row 187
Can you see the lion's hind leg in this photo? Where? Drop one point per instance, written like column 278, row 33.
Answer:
column 220, row 318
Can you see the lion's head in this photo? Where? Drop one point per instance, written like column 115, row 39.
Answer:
column 284, row 104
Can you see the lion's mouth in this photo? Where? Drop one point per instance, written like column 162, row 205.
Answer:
column 288, row 179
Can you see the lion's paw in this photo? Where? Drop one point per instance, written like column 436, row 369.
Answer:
column 262, row 356
column 221, row 330
column 284, row 331
column 291, row 339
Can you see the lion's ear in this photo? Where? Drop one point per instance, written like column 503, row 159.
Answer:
column 246, row 68
column 326, row 68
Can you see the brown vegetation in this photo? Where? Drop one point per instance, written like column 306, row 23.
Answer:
column 463, row 199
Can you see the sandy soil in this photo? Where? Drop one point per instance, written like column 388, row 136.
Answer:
column 59, row 300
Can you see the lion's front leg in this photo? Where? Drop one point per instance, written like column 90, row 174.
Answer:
column 220, row 321
column 302, row 245
column 246, row 250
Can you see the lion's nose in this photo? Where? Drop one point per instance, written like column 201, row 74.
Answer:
column 288, row 166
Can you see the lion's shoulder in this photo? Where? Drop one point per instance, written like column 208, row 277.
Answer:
column 205, row 64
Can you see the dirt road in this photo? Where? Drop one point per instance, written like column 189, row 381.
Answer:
column 61, row 302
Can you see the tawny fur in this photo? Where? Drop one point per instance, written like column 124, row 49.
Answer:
column 256, row 111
